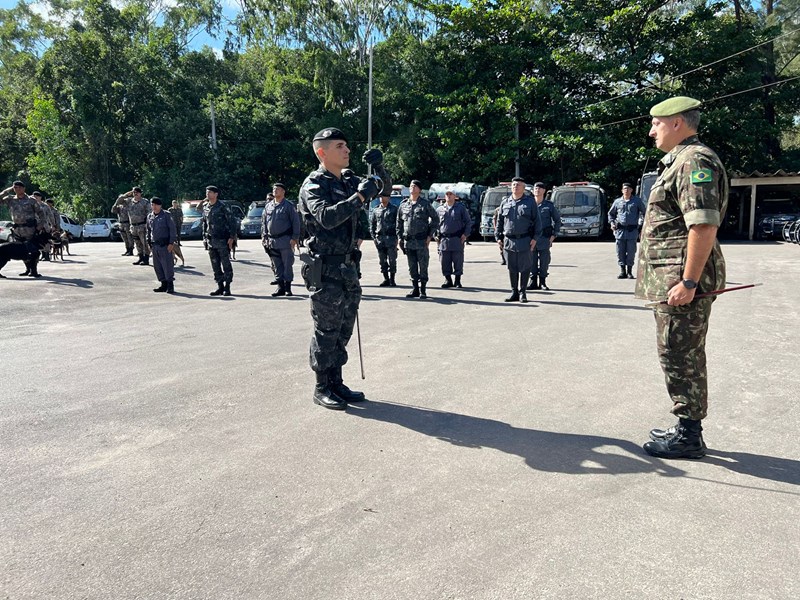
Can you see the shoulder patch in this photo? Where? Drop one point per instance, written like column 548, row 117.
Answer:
column 702, row 176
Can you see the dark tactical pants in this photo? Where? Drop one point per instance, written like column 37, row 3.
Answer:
column 282, row 261
column 125, row 232
column 333, row 310
column 387, row 256
column 452, row 262
column 681, row 341
column 626, row 252
column 139, row 235
column 26, row 235
column 418, row 263
column 541, row 258
column 221, row 262
column 519, row 266
column 162, row 263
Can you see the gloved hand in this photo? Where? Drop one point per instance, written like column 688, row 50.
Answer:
column 373, row 157
column 369, row 188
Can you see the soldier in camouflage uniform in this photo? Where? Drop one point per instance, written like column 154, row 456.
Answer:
column 417, row 223
column 455, row 225
column 551, row 225
column 121, row 210
column 51, row 223
column 679, row 258
column 177, row 217
column 219, row 229
column 626, row 216
column 331, row 203
column 383, row 230
column 29, row 222
column 138, row 209
column 519, row 225
column 280, row 231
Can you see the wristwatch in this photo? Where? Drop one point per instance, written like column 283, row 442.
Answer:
column 689, row 284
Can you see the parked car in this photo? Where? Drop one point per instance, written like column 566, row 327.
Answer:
column 72, row 227
column 5, row 231
column 99, row 229
column 251, row 224
column 192, row 227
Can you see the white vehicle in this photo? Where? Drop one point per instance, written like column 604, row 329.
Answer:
column 98, row 229
column 72, row 227
column 5, row 231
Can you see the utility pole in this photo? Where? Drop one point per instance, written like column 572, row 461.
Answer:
column 369, row 108
column 213, row 128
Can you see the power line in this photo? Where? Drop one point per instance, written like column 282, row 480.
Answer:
column 673, row 78
column 760, row 87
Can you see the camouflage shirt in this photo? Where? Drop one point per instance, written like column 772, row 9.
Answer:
column 218, row 224
column 691, row 189
column 138, row 211
column 330, row 211
column 416, row 221
column 25, row 212
column 383, row 225
column 120, row 209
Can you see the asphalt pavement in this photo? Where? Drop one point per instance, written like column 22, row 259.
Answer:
column 159, row 446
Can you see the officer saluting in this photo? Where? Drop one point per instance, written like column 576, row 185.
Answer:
column 331, row 201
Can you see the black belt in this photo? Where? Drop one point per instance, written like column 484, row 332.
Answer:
column 280, row 235
column 139, row 223
column 452, row 235
column 512, row 236
column 418, row 236
column 387, row 234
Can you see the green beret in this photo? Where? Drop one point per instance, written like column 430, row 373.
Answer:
column 674, row 106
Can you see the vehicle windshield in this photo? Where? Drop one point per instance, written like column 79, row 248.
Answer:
column 492, row 200
column 190, row 211
column 577, row 203
column 647, row 185
column 255, row 212
column 95, row 222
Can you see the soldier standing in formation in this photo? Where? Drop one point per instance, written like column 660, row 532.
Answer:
column 383, row 229
column 51, row 223
column 551, row 225
column 417, row 223
column 30, row 222
column 121, row 210
column 626, row 217
column 177, row 217
column 57, row 220
column 161, row 236
column 518, row 227
column 331, row 200
column 455, row 225
column 680, row 258
column 280, row 231
column 138, row 209
column 219, row 227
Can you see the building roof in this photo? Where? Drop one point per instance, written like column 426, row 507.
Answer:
column 757, row 174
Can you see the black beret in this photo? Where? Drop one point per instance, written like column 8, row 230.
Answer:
column 19, row 183
column 280, row 185
column 156, row 200
column 416, row 182
column 540, row 184
column 137, row 189
column 329, row 133
column 38, row 194
column 627, row 184
column 212, row 188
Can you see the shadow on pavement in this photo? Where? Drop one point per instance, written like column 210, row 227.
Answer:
column 202, row 297
column 253, row 263
column 542, row 450
column 590, row 304
column 439, row 300
column 189, row 270
column 765, row 467
column 81, row 283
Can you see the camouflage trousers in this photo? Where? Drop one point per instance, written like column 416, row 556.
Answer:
column 221, row 262
column 139, row 235
column 125, row 232
column 681, row 341
column 387, row 256
column 418, row 263
column 333, row 309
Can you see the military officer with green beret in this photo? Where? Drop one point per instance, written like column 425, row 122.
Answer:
column 679, row 259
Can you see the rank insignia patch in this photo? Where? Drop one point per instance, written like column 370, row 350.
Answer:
column 702, row 176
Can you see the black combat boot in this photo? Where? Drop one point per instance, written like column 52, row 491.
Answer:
column 227, row 289
column 288, row 288
column 658, row 434
column 523, row 285
column 275, row 282
column 687, row 442
column 324, row 396
column 170, row 287
column 338, row 387
column 162, row 287
column 448, row 281
column 386, row 281
column 34, row 272
column 392, row 282
column 458, row 282
column 219, row 291
column 622, row 273
column 146, row 260
column 281, row 290
column 128, row 252
column 140, row 261
column 422, row 293
column 630, row 273
column 534, row 285
column 26, row 273
column 543, row 283
column 514, row 289
column 415, row 292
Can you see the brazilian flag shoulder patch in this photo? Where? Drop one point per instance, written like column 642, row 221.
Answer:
column 702, row 176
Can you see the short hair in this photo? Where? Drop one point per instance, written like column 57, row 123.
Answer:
column 38, row 194
column 156, row 200
column 212, row 188
column 317, row 144
column 137, row 189
column 692, row 119
column 517, row 180
column 417, row 183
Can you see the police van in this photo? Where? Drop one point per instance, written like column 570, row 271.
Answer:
column 583, row 208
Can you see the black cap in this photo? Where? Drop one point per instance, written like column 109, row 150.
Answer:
column 280, row 185
column 627, row 184
column 18, row 182
column 329, row 133
column 50, row 201
column 417, row 183
column 38, row 194
column 212, row 188
column 540, row 184
column 137, row 189
column 520, row 179
column 156, row 200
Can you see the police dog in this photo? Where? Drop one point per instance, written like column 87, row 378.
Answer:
column 27, row 252
column 64, row 243
column 57, row 248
